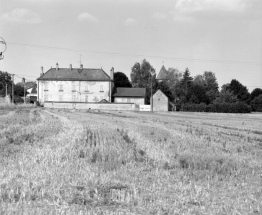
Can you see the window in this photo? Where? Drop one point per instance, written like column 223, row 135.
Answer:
column 86, row 98
column 87, row 88
column 46, row 86
column 60, row 98
column 101, row 88
column 73, row 88
column 46, row 98
column 61, row 88
column 74, row 98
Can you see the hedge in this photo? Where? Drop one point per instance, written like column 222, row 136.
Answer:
column 236, row 107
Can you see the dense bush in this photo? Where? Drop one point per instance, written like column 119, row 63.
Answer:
column 256, row 103
column 237, row 107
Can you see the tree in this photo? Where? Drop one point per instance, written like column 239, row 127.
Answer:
column 164, row 87
column 211, row 86
column 18, row 90
column 186, row 80
column 256, row 103
column 256, row 92
column 239, row 90
column 226, row 96
column 5, row 79
column 197, row 94
column 209, row 83
column 141, row 74
column 141, row 77
column 28, row 84
column 121, row 80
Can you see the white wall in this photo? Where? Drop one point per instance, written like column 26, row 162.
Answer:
column 86, row 106
column 67, row 91
column 140, row 101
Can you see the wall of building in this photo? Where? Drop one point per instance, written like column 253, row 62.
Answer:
column 98, row 106
column 145, row 107
column 160, row 101
column 140, row 101
column 70, row 91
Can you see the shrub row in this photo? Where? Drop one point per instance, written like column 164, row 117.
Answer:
column 237, row 107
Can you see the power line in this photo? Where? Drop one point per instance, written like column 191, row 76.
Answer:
column 132, row 55
column 27, row 75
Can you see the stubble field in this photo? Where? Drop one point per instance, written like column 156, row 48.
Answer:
column 98, row 162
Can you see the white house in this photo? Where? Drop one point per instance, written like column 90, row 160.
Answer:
column 74, row 85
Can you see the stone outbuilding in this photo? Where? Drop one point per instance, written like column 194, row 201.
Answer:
column 160, row 101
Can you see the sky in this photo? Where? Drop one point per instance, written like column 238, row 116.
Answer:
column 222, row 36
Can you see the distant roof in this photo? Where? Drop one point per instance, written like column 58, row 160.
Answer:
column 163, row 74
column 130, row 92
column 75, row 74
column 33, row 89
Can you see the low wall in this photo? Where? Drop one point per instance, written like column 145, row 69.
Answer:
column 145, row 107
column 99, row 106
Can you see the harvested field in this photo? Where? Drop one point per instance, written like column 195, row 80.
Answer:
column 99, row 162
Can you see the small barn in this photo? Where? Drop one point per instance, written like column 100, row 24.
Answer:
column 160, row 101
column 130, row 95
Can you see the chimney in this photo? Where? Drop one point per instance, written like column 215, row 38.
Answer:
column 57, row 67
column 112, row 73
column 70, row 66
column 81, row 66
column 42, row 71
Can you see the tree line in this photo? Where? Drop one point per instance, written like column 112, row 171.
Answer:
column 199, row 93
column 6, row 87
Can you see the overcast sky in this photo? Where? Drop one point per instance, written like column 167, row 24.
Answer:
column 222, row 36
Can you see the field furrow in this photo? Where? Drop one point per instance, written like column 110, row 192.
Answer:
column 100, row 162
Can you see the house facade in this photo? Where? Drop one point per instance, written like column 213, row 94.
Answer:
column 160, row 101
column 130, row 95
column 74, row 85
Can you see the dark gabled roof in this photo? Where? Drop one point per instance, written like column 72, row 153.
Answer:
column 163, row 74
column 66, row 74
column 130, row 92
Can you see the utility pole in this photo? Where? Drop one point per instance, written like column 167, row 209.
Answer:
column 13, row 88
column 151, row 102
column 6, row 90
column 151, row 95
column 24, row 88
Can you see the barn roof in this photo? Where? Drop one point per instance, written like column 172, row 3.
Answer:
column 75, row 74
column 130, row 92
